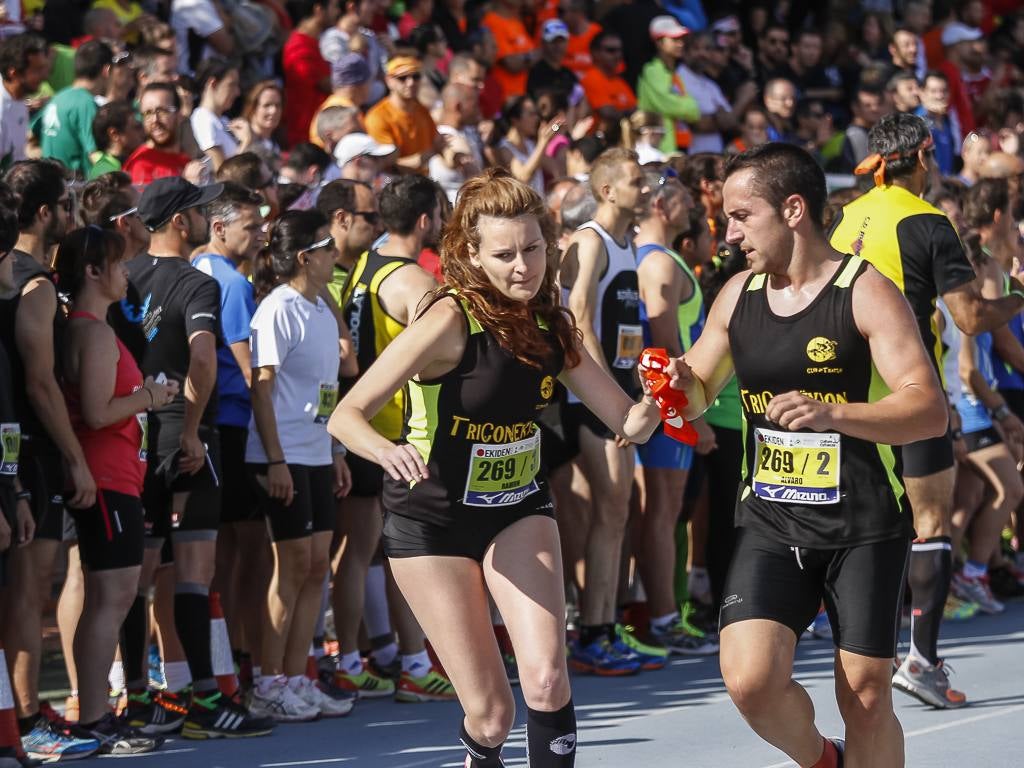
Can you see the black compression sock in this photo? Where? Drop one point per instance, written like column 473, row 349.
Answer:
column 133, row 645
column 192, row 621
column 479, row 755
column 931, row 568
column 551, row 737
column 590, row 634
column 26, row 724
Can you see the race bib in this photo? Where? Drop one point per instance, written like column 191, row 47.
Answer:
column 10, row 434
column 143, row 419
column 502, row 474
column 629, row 344
column 328, row 399
column 797, row 467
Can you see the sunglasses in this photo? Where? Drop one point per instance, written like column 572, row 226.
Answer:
column 159, row 112
column 371, row 217
column 123, row 214
column 67, row 203
column 667, row 174
column 327, row 242
column 415, row 77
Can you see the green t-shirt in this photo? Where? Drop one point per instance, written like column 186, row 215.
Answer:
column 337, row 283
column 726, row 412
column 103, row 162
column 64, row 128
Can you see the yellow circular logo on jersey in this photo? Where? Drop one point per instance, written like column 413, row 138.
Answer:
column 547, row 387
column 821, row 350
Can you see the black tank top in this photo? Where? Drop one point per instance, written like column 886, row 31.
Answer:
column 475, row 429
column 811, row 489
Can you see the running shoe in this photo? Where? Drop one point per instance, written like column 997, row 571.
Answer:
column 957, row 609
column 1005, row 584
column 976, row 590
column 929, row 684
column 49, row 742
column 310, row 692
column 157, row 680
column 392, row 671
column 366, row 684
column 603, row 659
column 700, row 620
column 683, row 640
column 433, row 686
column 116, row 737
column 214, row 716
column 651, row 656
column 279, row 703
column 149, row 715
column 821, row 627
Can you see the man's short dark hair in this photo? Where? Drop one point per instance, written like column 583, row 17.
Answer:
column 902, row 133
column 35, row 183
column 869, row 88
column 162, row 88
column 303, row 9
column 404, row 200
column 91, row 57
column 304, row 155
column 113, row 114
column 781, row 170
column 810, row 31
column 146, row 56
column 938, row 74
column 16, row 50
column 339, row 195
column 228, row 205
column 773, row 26
column 599, row 39
column 901, row 76
column 8, row 219
column 247, row 169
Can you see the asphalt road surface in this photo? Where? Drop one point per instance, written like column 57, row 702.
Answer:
column 679, row 716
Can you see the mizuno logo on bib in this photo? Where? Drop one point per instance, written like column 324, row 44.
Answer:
column 502, row 474
column 797, row 467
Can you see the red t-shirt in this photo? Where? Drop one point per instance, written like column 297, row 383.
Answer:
column 431, row 262
column 147, row 163
column 116, row 454
column 304, row 68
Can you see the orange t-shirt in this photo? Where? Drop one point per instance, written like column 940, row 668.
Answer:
column 604, row 91
column 577, row 54
column 412, row 132
column 511, row 38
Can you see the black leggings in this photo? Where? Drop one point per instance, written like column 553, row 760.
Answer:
column 723, row 467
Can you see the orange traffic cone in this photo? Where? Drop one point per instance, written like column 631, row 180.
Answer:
column 220, row 646
column 10, row 735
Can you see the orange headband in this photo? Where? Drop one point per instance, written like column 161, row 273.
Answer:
column 876, row 163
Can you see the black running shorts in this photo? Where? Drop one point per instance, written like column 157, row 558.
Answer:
column 983, row 438
column 42, row 473
column 201, row 515
column 312, row 507
column 239, row 502
column 927, row 457
column 111, row 532
column 862, row 588
column 367, row 477
column 577, row 416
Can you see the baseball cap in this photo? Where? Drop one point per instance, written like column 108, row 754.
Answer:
column 163, row 198
column 958, row 32
column 356, row 145
column 554, row 29
column 666, row 26
column 350, row 69
column 403, row 65
column 726, row 24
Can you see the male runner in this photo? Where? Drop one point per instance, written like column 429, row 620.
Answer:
column 915, row 245
column 599, row 271
column 177, row 309
column 380, row 298
column 830, row 375
column 673, row 312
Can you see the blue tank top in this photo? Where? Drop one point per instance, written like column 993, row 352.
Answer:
column 973, row 414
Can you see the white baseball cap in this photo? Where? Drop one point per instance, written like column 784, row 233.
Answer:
column 358, row 144
column 666, row 26
column 957, row 32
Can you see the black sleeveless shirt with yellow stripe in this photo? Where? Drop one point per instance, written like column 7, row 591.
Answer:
column 811, row 489
column 475, row 429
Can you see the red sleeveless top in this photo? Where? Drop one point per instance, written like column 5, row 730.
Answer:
column 116, row 454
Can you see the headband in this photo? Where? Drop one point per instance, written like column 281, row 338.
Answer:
column 876, row 163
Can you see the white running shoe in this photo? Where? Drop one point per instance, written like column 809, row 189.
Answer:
column 280, row 703
column 311, row 694
column 976, row 590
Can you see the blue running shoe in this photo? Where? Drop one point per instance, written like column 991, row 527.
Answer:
column 651, row 656
column 157, row 681
column 49, row 743
column 604, row 658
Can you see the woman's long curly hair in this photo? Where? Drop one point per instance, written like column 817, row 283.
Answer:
column 514, row 324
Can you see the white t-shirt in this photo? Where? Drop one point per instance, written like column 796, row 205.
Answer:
column 198, row 15
column 300, row 340
column 710, row 99
column 13, row 128
column 212, row 131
